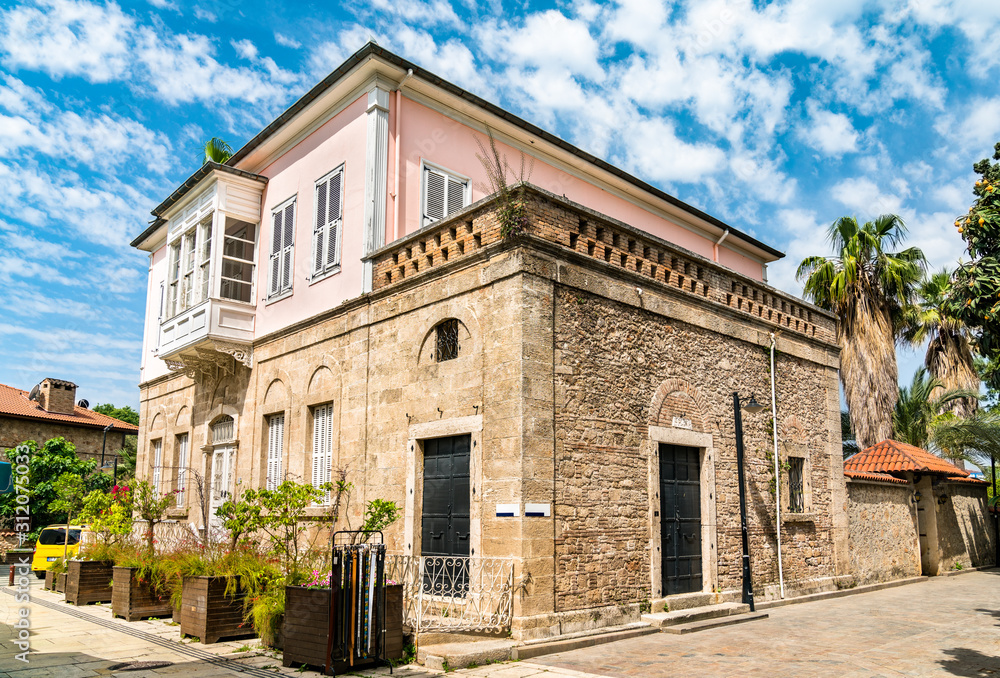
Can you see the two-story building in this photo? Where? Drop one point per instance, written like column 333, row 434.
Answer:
column 343, row 295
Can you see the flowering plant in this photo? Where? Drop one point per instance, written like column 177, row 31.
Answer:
column 321, row 580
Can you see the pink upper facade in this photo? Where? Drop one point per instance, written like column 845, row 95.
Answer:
column 390, row 135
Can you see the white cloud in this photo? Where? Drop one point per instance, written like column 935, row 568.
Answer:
column 806, row 237
column 66, row 37
column 548, row 41
column 655, row 151
column 287, row 41
column 829, row 132
column 246, row 49
column 205, row 15
column 418, row 12
column 865, row 198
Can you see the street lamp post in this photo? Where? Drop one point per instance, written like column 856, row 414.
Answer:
column 752, row 407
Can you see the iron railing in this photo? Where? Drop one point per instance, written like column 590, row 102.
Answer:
column 452, row 593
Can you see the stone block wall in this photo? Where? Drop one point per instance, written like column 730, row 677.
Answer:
column 965, row 528
column 88, row 441
column 883, row 532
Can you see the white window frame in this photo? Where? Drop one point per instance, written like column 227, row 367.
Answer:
column 183, row 454
column 322, row 447
column 328, row 267
column 425, row 167
column 157, row 463
column 189, row 268
column 275, row 449
column 282, row 288
column 223, row 237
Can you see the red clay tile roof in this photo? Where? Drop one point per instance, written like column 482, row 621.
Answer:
column 969, row 480
column 890, row 456
column 14, row 403
column 879, row 477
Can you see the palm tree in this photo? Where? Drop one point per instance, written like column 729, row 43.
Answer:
column 217, row 150
column 976, row 438
column 949, row 356
column 918, row 410
column 867, row 287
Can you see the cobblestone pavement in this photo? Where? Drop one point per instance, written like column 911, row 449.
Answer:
column 942, row 627
column 947, row 626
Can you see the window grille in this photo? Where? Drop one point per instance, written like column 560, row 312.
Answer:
column 222, row 430
column 796, row 488
column 446, row 340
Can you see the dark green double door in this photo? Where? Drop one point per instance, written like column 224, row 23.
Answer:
column 680, row 519
column 445, row 530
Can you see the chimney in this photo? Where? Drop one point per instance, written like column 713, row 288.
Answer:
column 58, row 396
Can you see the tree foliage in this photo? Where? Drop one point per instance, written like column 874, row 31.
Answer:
column 975, row 298
column 151, row 506
column 46, row 464
column 868, row 287
column 109, row 514
column 921, row 406
column 217, row 150
column 125, row 413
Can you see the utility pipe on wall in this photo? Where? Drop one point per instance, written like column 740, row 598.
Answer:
column 715, row 248
column 395, row 196
column 777, row 477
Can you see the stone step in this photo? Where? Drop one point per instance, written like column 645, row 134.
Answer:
column 458, row 655
column 537, row 648
column 706, row 624
column 694, row 614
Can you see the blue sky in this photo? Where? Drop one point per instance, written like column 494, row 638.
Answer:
column 776, row 117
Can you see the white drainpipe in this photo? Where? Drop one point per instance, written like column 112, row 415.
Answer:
column 715, row 248
column 777, row 476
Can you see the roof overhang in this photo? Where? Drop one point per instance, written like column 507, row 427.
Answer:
column 373, row 64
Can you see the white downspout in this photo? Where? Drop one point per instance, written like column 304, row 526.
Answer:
column 395, row 196
column 715, row 248
column 777, row 476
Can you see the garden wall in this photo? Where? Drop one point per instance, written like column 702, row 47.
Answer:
column 965, row 529
column 883, row 534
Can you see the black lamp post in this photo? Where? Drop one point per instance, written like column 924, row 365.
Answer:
column 752, row 407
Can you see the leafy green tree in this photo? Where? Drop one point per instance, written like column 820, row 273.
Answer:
column 151, row 506
column 217, row 150
column 108, row 514
column 977, row 438
column 126, row 413
column 379, row 514
column 867, row 287
column 975, row 297
column 46, row 463
column 239, row 517
column 949, row 356
column 70, row 489
column 281, row 520
column 920, row 406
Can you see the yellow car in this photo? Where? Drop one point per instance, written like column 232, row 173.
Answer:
column 52, row 544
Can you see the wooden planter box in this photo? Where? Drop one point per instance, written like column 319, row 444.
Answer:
column 207, row 613
column 135, row 600
column 89, row 581
column 50, row 580
column 61, row 583
column 307, row 624
column 15, row 556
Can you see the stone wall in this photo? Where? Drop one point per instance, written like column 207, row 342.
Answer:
column 611, row 360
column 965, row 528
column 883, row 541
column 88, row 441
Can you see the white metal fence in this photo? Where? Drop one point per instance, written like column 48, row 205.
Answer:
column 450, row 593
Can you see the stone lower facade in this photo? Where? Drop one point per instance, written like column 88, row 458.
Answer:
column 89, row 441
column 575, row 362
column 883, row 535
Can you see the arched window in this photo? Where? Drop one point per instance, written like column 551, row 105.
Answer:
column 446, row 340
column 222, row 430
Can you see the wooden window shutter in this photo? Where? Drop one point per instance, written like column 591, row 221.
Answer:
column 286, row 250
column 182, row 462
column 319, row 227
column 322, row 446
column 435, row 186
column 334, row 218
column 275, row 449
column 157, row 463
column 456, row 196
column 276, row 233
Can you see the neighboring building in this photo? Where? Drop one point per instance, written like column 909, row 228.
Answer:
column 49, row 411
column 342, row 294
column 913, row 513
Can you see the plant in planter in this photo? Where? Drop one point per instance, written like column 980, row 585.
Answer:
column 56, row 569
column 307, row 607
column 151, row 507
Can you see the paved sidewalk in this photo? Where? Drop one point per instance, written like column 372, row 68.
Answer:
column 941, row 627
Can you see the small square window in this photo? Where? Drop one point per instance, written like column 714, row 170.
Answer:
column 446, row 335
